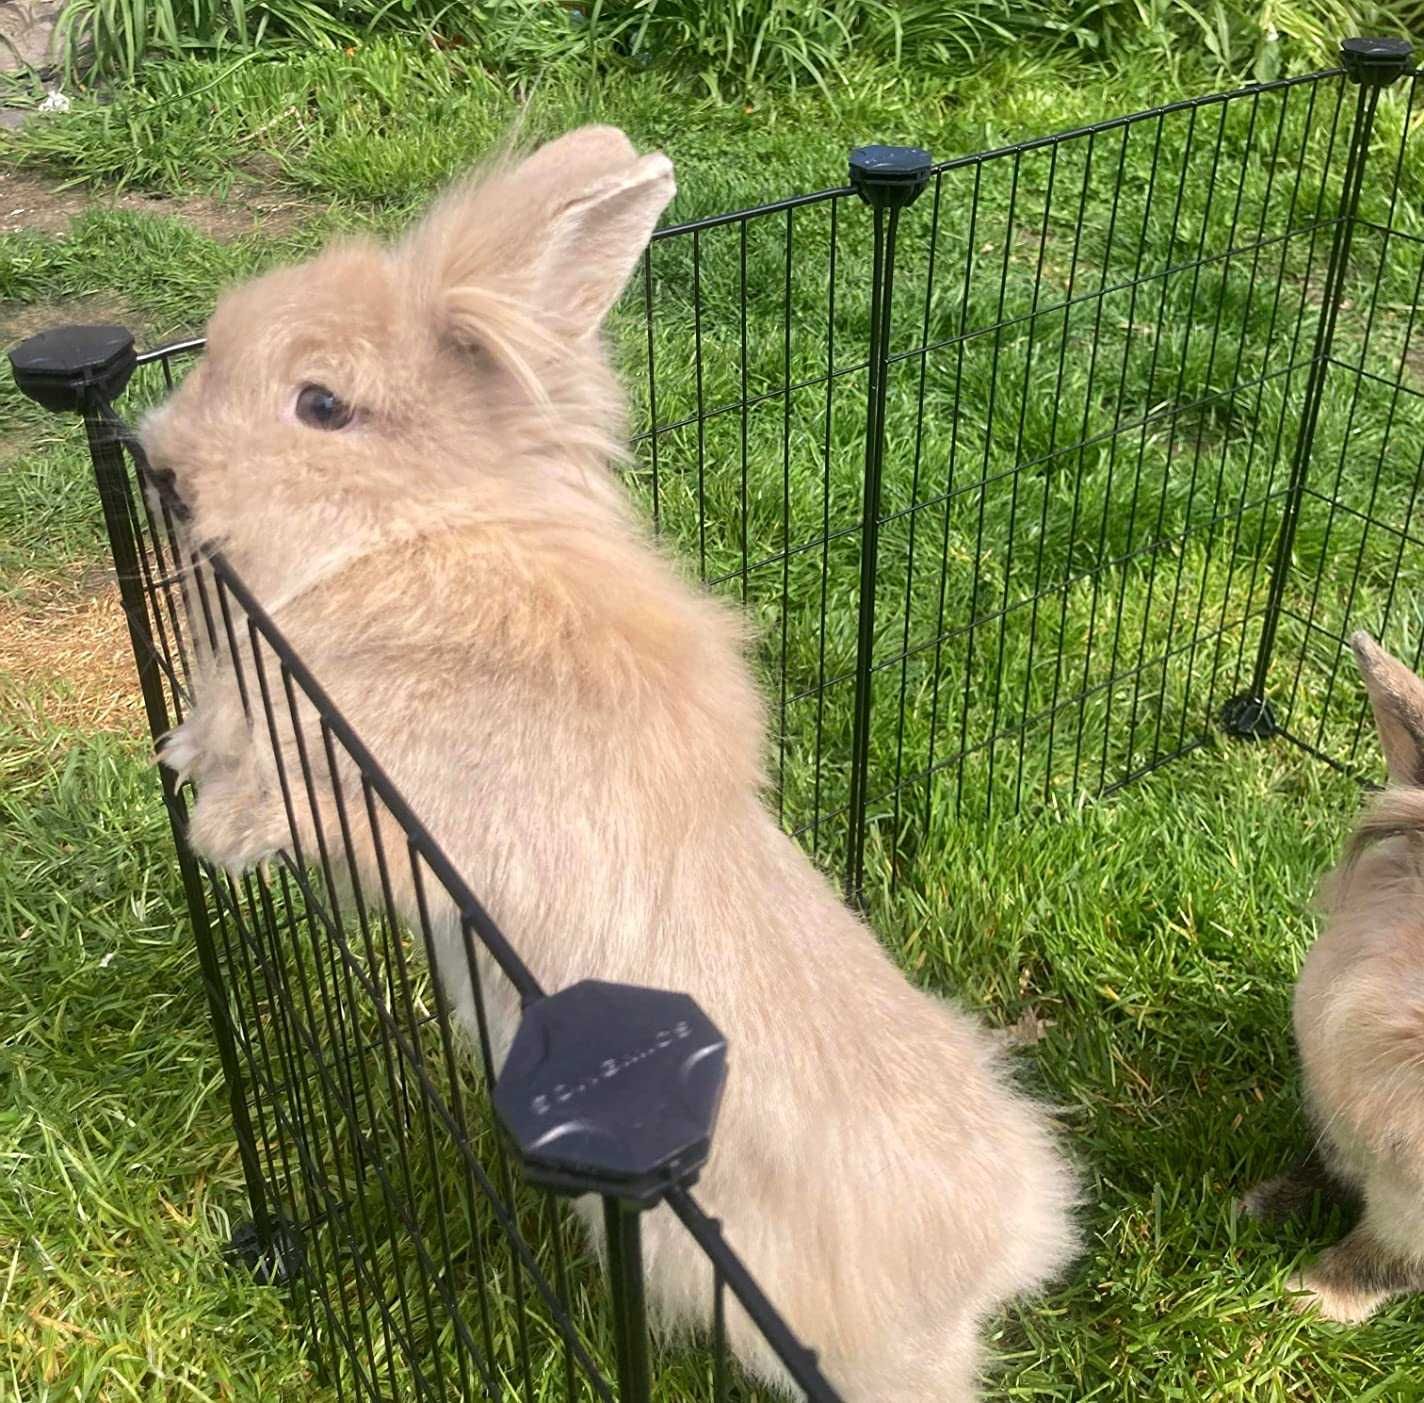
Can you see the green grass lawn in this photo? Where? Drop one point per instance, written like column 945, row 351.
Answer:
column 1089, row 487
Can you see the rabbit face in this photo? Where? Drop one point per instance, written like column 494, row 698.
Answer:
column 375, row 393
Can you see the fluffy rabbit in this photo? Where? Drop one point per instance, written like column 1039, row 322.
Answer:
column 1359, row 1024
column 407, row 455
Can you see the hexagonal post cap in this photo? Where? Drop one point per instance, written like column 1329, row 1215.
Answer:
column 889, row 177
column 64, row 368
column 613, row 1089
column 1375, row 62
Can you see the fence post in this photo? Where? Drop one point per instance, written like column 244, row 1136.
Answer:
column 83, row 369
column 613, row 1090
column 1372, row 65
column 888, row 179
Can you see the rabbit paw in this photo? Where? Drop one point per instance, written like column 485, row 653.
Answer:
column 237, row 825
column 180, row 752
column 1351, row 1280
column 1314, row 1292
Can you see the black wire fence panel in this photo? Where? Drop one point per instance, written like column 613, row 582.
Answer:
column 1030, row 467
column 383, row 1192
column 1099, row 352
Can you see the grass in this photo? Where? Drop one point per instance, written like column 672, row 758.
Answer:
column 1154, row 935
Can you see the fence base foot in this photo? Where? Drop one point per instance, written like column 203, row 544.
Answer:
column 276, row 1259
column 1249, row 718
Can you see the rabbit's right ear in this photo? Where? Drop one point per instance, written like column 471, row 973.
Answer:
column 1397, row 700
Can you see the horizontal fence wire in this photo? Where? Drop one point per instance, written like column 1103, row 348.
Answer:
column 421, row 1266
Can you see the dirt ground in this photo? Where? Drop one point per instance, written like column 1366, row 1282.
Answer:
column 65, row 660
column 40, row 204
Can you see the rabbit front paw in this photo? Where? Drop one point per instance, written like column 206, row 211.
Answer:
column 236, row 823
column 180, row 751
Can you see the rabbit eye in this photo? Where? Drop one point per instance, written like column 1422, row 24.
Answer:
column 319, row 408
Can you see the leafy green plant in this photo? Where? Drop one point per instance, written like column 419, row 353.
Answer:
column 732, row 46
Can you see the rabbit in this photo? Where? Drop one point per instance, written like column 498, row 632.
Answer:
column 1359, row 1026
column 408, row 453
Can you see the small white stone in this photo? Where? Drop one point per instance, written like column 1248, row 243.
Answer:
column 55, row 102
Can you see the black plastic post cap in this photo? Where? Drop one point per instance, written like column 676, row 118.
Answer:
column 61, row 368
column 613, row 1089
column 889, row 177
column 1376, row 62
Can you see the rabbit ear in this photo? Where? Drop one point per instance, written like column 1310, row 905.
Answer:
column 597, row 237
column 1397, row 700
column 553, row 238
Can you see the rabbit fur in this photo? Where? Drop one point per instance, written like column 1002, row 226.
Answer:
column 578, row 728
column 1359, row 1026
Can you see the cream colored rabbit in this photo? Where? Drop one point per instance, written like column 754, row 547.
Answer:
column 406, row 454
column 1359, row 1023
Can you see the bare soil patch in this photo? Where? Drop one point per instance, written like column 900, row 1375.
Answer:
column 38, row 204
column 64, row 653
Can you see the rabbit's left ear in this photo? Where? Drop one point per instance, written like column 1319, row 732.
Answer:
column 553, row 239
column 1397, row 700
column 598, row 230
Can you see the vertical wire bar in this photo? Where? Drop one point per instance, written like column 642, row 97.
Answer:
column 1364, row 713
column 914, row 519
column 949, row 496
column 304, row 1118
column 302, row 1123
column 392, row 1060
column 825, row 535
column 325, row 1171
column 1099, row 558
column 701, row 406
column 652, row 384
column 554, row 1229
column 1124, row 570
column 393, row 918
column 1168, row 646
column 1365, row 106
column 785, row 516
column 623, row 1227
column 106, row 456
column 276, row 1134
column 457, row 1111
column 111, row 476
column 1099, row 298
column 882, row 292
column 743, row 407
column 1013, row 509
column 974, row 620
column 158, row 580
column 719, row 1335
column 1386, row 613
column 1157, row 538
